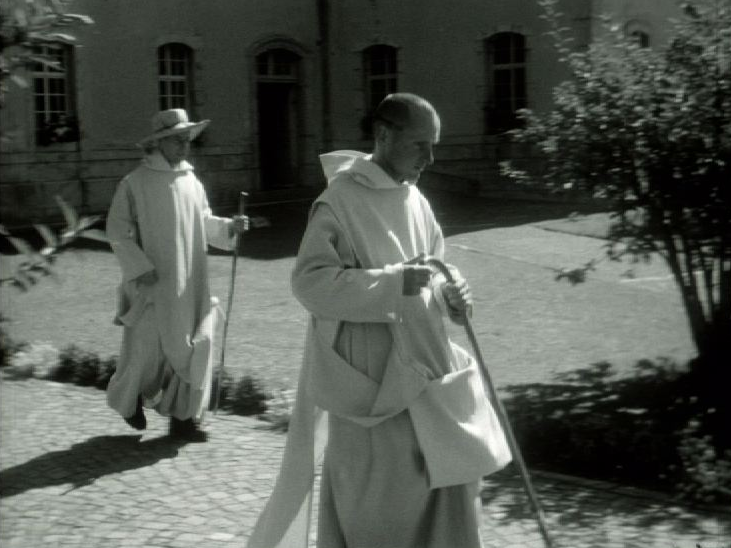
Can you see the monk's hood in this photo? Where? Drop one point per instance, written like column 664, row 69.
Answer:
column 359, row 167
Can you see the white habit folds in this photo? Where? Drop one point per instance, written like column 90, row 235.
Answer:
column 396, row 409
column 159, row 219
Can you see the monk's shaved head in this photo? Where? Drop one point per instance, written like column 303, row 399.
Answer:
column 403, row 110
column 405, row 128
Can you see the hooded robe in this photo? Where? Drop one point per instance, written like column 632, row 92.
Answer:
column 160, row 220
column 397, row 409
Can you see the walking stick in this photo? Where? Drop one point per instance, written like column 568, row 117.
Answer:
column 229, row 305
column 500, row 410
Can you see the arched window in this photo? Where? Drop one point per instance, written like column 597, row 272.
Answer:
column 53, row 95
column 506, row 79
column 380, row 70
column 175, row 76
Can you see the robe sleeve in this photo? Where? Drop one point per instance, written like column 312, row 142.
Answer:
column 328, row 284
column 219, row 231
column 123, row 234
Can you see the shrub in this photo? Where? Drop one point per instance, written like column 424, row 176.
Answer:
column 228, row 384
column 78, row 366
column 279, row 410
column 35, row 360
column 245, row 396
column 706, row 471
column 107, row 368
column 248, row 397
column 8, row 346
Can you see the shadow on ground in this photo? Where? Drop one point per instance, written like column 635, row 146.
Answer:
column 573, row 510
column 645, row 430
column 457, row 213
column 85, row 462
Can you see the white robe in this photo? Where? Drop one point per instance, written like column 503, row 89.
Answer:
column 400, row 468
column 160, row 220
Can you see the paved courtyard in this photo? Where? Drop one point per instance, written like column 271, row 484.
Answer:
column 75, row 476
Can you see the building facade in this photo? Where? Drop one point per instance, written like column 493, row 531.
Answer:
column 282, row 81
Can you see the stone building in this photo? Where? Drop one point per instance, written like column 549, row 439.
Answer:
column 282, row 81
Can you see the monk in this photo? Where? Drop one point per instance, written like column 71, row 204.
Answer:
column 159, row 226
column 396, row 410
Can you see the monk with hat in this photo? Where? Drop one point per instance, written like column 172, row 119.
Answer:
column 159, row 226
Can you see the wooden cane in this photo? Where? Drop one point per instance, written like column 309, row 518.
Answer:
column 229, row 305
column 499, row 410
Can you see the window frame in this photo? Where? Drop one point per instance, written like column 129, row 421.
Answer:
column 64, row 129
column 499, row 119
column 166, row 78
column 388, row 77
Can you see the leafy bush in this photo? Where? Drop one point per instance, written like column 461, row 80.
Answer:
column 8, row 346
column 279, row 410
column 36, row 263
column 105, row 372
column 245, row 396
column 228, row 384
column 38, row 360
column 648, row 130
column 77, row 366
column 706, row 471
column 248, row 397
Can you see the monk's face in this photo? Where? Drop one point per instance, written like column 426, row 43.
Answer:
column 175, row 148
column 404, row 152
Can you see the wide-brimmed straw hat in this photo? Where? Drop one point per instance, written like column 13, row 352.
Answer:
column 171, row 122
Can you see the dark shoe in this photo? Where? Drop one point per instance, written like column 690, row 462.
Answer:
column 187, row 430
column 137, row 421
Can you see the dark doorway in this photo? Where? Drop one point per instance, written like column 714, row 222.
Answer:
column 278, row 104
column 278, row 154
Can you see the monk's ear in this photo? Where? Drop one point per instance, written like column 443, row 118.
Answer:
column 380, row 133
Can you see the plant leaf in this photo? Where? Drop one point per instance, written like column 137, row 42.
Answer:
column 77, row 18
column 59, row 37
column 48, row 236
column 22, row 246
column 86, row 222
column 19, row 81
column 69, row 213
column 94, row 234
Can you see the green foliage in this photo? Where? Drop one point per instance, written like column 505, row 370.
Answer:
column 38, row 262
column 649, row 130
column 26, row 24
